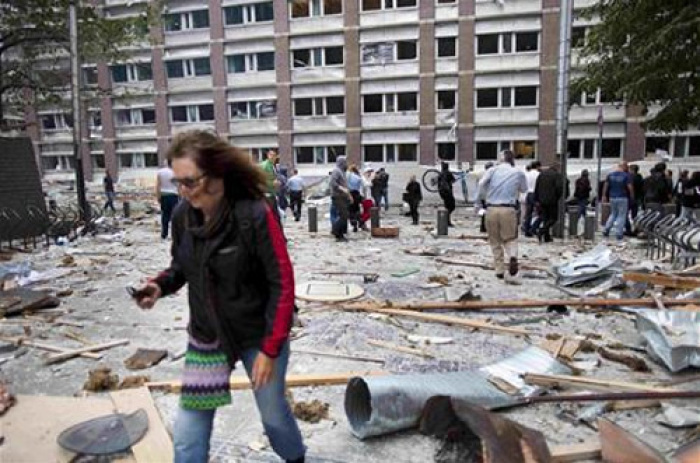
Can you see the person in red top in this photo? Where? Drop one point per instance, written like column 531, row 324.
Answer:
column 229, row 249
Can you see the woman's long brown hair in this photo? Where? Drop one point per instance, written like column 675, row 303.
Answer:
column 218, row 159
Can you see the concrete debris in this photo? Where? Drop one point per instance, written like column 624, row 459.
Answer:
column 427, row 340
column 101, row 379
column 144, row 358
column 677, row 417
column 441, row 279
column 135, row 381
column 312, row 412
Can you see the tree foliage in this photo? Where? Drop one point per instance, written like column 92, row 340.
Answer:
column 646, row 52
column 34, row 47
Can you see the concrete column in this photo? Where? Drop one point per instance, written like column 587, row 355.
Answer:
column 465, row 101
column 353, row 118
column 218, row 67
column 284, row 91
column 104, row 81
column 160, row 85
column 547, row 131
column 426, row 95
column 635, row 138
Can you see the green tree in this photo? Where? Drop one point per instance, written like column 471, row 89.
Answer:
column 647, row 53
column 34, row 47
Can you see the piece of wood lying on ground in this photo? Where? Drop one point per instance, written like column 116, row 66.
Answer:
column 575, row 452
column 642, row 397
column 472, row 237
column 682, row 380
column 523, row 304
column 76, row 352
column 444, row 260
column 156, row 445
column 338, row 355
column 242, row 382
column 144, row 358
column 622, row 405
column 633, row 362
column 666, row 281
column 562, row 348
column 659, row 303
column 397, row 348
column 25, row 342
column 620, row 446
column 77, row 337
column 589, row 383
column 452, row 321
column 33, row 424
column 385, row 232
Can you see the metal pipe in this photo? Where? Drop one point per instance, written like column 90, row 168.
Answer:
column 384, row 404
column 563, row 71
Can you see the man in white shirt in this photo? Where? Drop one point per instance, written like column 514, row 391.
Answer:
column 529, row 201
column 166, row 192
column 295, row 186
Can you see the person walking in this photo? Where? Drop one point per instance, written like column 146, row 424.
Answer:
column 269, row 166
column 531, row 177
column 500, row 189
column 691, row 197
column 340, row 198
column 108, row 184
column 616, row 191
column 296, row 188
column 229, row 249
column 656, row 190
column 413, row 197
column 166, row 192
column 678, row 191
column 445, row 182
column 355, row 186
column 548, row 192
column 582, row 193
column 384, row 176
column 380, row 188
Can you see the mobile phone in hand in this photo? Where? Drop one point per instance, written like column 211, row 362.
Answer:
column 136, row 293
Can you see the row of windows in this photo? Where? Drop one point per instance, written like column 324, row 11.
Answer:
column 507, row 43
column 506, row 97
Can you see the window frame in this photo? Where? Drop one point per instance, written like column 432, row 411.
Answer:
column 191, row 109
column 249, row 14
column 455, row 47
column 316, row 8
column 252, row 110
column 391, row 152
column 189, row 68
column 383, row 6
column 186, row 21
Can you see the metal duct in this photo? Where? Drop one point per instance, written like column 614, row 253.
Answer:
column 672, row 336
column 384, row 404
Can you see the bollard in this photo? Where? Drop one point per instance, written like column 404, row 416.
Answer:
column 589, row 227
column 442, row 222
column 127, row 209
column 374, row 221
column 573, row 222
column 313, row 219
column 557, row 230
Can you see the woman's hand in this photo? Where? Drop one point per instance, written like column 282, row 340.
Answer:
column 147, row 295
column 263, row 368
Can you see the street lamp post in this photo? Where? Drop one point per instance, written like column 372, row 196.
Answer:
column 564, row 66
column 77, row 119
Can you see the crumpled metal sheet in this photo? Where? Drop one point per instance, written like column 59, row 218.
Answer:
column 677, row 417
column 377, row 405
column 597, row 263
column 672, row 337
column 105, row 435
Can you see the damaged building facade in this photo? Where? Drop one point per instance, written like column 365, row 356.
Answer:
column 397, row 82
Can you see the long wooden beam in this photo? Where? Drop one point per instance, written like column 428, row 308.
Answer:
column 589, row 383
column 92, row 348
column 527, row 304
column 24, row 342
column 242, row 382
column 667, row 281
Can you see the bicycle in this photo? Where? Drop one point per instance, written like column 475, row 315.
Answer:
column 430, row 180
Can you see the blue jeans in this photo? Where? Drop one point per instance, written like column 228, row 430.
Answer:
column 385, row 196
column 582, row 205
column 334, row 214
column 618, row 216
column 193, row 427
column 167, row 206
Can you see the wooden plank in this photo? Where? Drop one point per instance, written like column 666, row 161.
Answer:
column 576, row 452
column 338, row 355
column 92, row 348
column 452, row 321
column 24, row 342
column 397, row 348
column 589, row 383
column 32, row 426
column 242, row 382
column 526, row 304
column 667, row 281
column 156, row 445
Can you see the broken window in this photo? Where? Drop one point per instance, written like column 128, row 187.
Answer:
column 305, row 155
column 333, row 55
column 406, row 50
column 487, row 44
column 98, row 161
column 373, row 153
column 486, row 150
column 372, row 103
column 301, row 58
column 407, row 101
column 578, row 36
column 524, row 149
column 487, row 98
column 526, row 41
column 573, row 148
column 446, row 151
column 446, row 99
column 407, row 152
column 148, row 116
column 332, row 7
column 612, row 147
column 90, row 75
column 301, row 9
column 588, row 149
column 526, row 96
column 335, row 105
column 446, row 47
